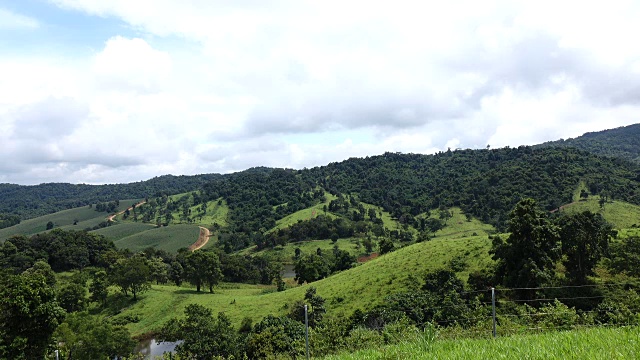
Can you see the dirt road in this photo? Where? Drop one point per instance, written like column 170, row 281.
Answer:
column 111, row 217
column 203, row 239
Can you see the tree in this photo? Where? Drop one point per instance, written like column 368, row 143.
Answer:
column 176, row 273
column 72, row 297
column 585, row 240
column 315, row 308
column 625, row 256
column 386, row 246
column 50, row 225
column 132, row 274
column 29, row 314
column 204, row 337
column 99, row 288
column 159, row 270
column 274, row 336
column 83, row 336
column 203, row 268
column 526, row 259
column 311, row 267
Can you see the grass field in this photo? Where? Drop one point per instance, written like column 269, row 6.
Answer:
column 459, row 227
column 304, row 214
column 621, row 214
column 169, row 238
column 361, row 287
column 593, row 343
column 122, row 230
column 87, row 217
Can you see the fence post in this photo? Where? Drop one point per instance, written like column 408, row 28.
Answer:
column 306, row 326
column 493, row 308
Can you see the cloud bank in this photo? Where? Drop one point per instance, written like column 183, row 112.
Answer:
column 210, row 87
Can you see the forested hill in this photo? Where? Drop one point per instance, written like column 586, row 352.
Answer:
column 484, row 183
column 37, row 200
column 621, row 142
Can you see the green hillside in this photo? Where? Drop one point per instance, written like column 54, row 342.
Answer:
column 37, row 200
column 87, row 217
column 622, row 142
column 169, row 238
column 358, row 288
column 620, row 214
column 121, row 230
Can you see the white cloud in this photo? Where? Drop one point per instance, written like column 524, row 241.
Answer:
column 131, row 64
column 208, row 86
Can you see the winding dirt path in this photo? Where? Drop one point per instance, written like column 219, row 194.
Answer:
column 203, row 239
column 113, row 216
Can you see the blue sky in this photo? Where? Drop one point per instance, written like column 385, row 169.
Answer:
column 95, row 91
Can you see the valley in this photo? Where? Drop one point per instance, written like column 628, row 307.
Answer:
column 380, row 248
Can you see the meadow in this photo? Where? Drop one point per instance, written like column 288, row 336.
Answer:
column 620, row 214
column 86, row 217
column 361, row 287
column 168, row 238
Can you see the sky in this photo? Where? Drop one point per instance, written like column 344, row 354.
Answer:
column 95, row 91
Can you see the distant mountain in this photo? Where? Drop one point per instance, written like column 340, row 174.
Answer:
column 623, row 142
column 37, row 200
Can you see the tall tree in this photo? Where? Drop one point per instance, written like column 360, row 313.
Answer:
column 526, row 259
column 83, row 336
column 203, row 268
column 132, row 274
column 204, row 337
column 29, row 314
column 585, row 240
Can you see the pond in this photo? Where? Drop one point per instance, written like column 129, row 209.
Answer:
column 151, row 348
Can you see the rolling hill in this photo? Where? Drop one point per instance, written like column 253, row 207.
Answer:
column 622, row 142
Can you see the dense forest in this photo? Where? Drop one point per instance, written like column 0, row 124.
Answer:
column 38, row 200
column 622, row 142
column 485, row 183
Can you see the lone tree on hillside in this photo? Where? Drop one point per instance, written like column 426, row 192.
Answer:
column 203, row 268
column 527, row 258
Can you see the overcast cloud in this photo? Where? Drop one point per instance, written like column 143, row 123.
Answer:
column 95, row 91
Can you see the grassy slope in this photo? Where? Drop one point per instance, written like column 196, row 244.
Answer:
column 361, row 287
column 457, row 227
column 621, row 214
column 170, row 238
column 286, row 253
column 595, row 343
column 87, row 217
column 121, row 230
column 304, row 214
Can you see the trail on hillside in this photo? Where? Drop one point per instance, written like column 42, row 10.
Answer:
column 564, row 206
column 203, row 239
column 111, row 217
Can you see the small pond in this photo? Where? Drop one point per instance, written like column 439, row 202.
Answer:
column 151, row 348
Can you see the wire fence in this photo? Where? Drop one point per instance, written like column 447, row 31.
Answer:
column 606, row 304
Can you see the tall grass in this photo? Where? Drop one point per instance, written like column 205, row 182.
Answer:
column 592, row 343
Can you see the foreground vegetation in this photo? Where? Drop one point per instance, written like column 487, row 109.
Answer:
column 591, row 343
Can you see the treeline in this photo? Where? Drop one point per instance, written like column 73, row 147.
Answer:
column 37, row 200
column 258, row 197
column 38, row 310
column 7, row 220
column 62, row 250
column 622, row 142
column 484, row 183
